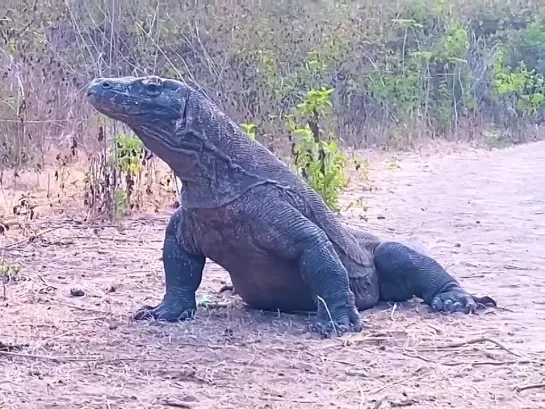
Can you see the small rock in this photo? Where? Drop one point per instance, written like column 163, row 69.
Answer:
column 111, row 289
column 190, row 398
column 77, row 292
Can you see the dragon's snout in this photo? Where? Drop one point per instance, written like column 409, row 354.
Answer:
column 98, row 84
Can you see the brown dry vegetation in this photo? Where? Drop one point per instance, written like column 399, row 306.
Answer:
column 402, row 71
column 403, row 74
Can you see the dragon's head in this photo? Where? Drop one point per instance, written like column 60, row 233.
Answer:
column 176, row 122
column 137, row 101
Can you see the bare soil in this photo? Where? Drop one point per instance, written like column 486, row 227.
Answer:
column 480, row 213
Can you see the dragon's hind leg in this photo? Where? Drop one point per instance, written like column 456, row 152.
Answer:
column 404, row 272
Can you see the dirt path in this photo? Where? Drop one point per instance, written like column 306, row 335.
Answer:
column 482, row 214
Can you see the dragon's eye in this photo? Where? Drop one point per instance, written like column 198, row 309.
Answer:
column 152, row 85
column 153, row 90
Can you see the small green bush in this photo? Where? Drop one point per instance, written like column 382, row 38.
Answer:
column 318, row 161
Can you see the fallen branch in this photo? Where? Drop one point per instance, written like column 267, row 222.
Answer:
column 530, row 386
column 478, row 341
column 473, row 363
column 281, row 399
column 77, row 307
column 493, row 363
column 28, row 239
column 176, row 404
column 69, row 358
column 33, row 237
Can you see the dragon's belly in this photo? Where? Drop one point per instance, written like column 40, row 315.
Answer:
column 262, row 279
column 261, row 276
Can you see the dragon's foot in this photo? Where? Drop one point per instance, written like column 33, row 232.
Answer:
column 342, row 321
column 166, row 311
column 455, row 300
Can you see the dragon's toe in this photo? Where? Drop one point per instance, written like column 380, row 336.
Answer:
column 166, row 311
column 452, row 301
column 344, row 320
column 328, row 328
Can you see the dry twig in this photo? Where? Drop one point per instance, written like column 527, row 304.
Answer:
column 478, row 341
column 540, row 385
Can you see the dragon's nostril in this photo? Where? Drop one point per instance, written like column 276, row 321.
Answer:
column 106, row 85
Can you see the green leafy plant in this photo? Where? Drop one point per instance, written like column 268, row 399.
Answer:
column 113, row 174
column 128, row 153
column 525, row 86
column 126, row 156
column 318, row 161
column 250, row 129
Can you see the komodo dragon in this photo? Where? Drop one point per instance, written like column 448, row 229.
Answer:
column 246, row 210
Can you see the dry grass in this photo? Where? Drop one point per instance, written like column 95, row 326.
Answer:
column 487, row 233
column 255, row 59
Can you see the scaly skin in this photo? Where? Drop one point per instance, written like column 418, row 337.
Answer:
column 245, row 209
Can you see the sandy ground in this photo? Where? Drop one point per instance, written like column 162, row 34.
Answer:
column 481, row 213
